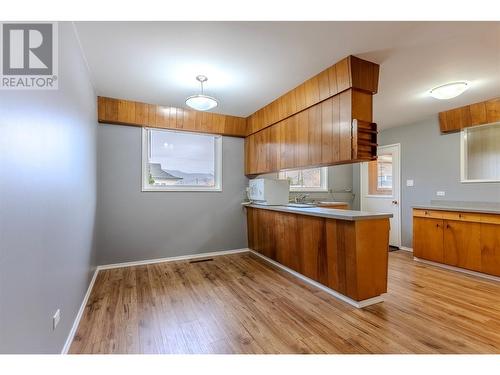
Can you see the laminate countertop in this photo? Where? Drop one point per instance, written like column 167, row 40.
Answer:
column 329, row 213
column 479, row 207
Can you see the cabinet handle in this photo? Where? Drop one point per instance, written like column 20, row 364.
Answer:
column 437, row 225
column 448, row 226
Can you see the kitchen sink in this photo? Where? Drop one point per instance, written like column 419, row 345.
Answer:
column 301, row 205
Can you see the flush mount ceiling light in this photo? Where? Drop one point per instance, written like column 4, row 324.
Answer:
column 201, row 102
column 449, row 90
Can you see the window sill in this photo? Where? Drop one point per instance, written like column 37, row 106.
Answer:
column 185, row 189
column 479, row 181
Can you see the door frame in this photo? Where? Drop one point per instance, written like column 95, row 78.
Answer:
column 398, row 147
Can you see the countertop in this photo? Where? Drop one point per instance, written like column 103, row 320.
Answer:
column 479, row 207
column 329, row 213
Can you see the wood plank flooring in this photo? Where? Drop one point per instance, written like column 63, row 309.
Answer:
column 241, row 304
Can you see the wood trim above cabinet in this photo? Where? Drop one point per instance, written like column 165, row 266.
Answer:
column 482, row 113
column 349, row 73
column 126, row 112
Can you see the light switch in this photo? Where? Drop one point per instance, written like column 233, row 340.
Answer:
column 440, row 193
column 409, row 182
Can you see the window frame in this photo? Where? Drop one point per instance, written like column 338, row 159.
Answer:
column 463, row 158
column 323, row 181
column 373, row 180
column 181, row 188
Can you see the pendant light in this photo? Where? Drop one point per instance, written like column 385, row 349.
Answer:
column 201, row 102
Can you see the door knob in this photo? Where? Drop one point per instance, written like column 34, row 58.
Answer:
column 394, row 202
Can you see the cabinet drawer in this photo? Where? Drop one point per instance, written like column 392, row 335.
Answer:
column 462, row 216
column 428, row 213
column 490, row 218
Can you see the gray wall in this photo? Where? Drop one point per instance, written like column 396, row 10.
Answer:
column 432, row 160
column 47, row 205
column 135, row 225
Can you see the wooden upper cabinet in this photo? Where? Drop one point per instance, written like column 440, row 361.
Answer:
column 493, row 110
column 478, row 113
column 455, row 119
column 470, row 115
column 126, row 112
column 349, row 73
column 336, row 131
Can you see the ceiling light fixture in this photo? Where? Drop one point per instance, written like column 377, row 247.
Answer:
column 201, row 102
column 449, row 90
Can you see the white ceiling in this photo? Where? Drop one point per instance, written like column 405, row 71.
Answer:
column 249, row 64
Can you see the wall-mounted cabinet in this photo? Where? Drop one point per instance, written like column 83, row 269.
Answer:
column 350, row 72
column 337, row 130
column 482, row 113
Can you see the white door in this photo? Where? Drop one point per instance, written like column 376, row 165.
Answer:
column 380, row 188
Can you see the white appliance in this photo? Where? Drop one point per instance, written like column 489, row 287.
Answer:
column 269, row 192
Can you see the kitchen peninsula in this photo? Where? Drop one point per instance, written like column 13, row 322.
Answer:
column 345, row 251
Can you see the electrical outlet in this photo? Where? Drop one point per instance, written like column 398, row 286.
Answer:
column 55, row 319
column 409, row 182
column 440, row 193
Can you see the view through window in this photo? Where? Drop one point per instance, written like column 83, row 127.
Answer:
column 181, row 160
column 312, row 179
column 380, row 175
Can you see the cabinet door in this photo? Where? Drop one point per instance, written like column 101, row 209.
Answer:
column 287, row 233
column 428, row 239
column 303, row 138
column 462, row 244
column 250, row 155
column 288, row 146
column 490, row 249
column 261, row 151
column 274, row 146
column 267, row 234
column 315, row 135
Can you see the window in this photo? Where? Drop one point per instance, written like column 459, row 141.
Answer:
column 380, row 175
column 181, row 161
column 313, row 179
column 480, row 154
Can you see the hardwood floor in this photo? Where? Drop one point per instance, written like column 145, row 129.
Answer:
column 241, row 304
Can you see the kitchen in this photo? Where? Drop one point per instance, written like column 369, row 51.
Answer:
column 250, row 202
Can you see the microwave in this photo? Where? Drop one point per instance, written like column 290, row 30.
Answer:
column 269, row 192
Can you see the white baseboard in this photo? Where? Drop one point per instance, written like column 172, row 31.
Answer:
column 76, row 322
column 172, row 259
column 457, row 269
column 406, row 248
column 340, row 296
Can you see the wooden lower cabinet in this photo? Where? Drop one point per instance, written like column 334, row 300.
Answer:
column 461, row 244
column 428, row 239
column 347, row 256
column 490, row 248
column 465, row 240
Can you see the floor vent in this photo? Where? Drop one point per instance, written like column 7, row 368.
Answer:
column 202, row 260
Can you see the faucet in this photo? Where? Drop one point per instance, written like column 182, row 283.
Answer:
column 301, row 198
